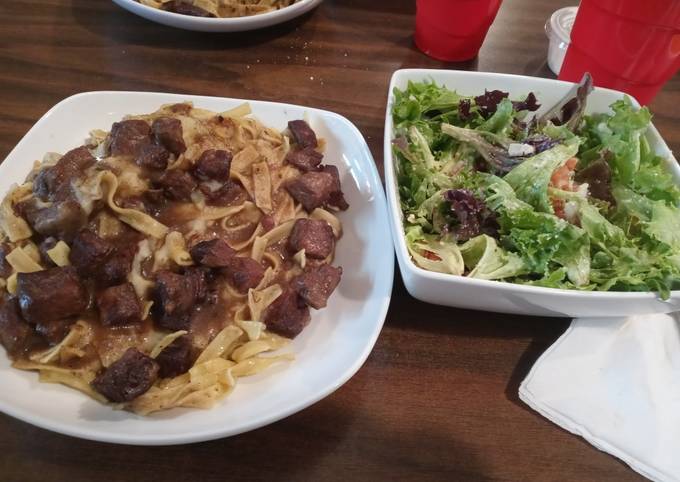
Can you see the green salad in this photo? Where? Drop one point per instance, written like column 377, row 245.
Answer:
column 491, row 190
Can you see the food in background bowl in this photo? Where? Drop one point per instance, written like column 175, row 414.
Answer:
column 563, row 200
column 154, row 265
column 218, row 8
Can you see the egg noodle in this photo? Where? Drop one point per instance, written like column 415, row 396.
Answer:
column 238, row 344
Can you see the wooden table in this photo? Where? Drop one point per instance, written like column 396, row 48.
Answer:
column 437, row 399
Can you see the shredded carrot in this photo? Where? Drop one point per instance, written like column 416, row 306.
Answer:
column 431, row 255
column 558, row 208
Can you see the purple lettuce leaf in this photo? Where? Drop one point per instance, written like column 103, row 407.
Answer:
column 488, row 102
column 598, row 175
column 530, row 103
column 570, row 110
column 464, row 109
column 471, row 215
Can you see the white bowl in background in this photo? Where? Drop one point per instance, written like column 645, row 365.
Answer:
column 236, row 24
column 499, row 296
column 330, row 350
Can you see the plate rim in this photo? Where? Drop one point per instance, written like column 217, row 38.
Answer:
column 382, row 303
column 231, row 24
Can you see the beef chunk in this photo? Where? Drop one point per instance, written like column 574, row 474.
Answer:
column 303, row 135
column 307, row 159
column 15, row 333
column 54, row 183
column 116, row 269
column 171, row 296
column 128, row 137
column 100, row 260
column 51, row 294
column 176, row 358
column 154, row 200
column 312, row 235
column 128, row 377
column 89, row 252
column 153, row 156
column 168, row 133
column 215, row 253
column 44, row 247
column 178, row 6
column 312, row 189
column 318, row 188
column 5, row 268
column 229, row 193
column 177, row 184
column 61, row 220
column 287, row 315
column 54, row 330
column 244, row 273
column 119, row 305
column 315, row 285
column 213, row 164
column 175, row 296
column 198, row 282
column 41, row 187
column 336, row 198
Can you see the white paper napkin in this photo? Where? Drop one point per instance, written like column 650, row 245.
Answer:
column 616, row 383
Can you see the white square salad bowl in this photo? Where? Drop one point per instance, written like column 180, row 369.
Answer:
column 498, row 296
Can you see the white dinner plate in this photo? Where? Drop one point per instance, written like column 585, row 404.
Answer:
column 499, row 296
column 237, row 24
column 328, row 352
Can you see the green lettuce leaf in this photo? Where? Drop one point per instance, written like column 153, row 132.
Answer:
column 620, row 134
column 664, row 226
column 654, row 179
column 449, row 257
column 574, row 254
column 657, row 219
column 501, row 120
column 542, row 240
column 486, row 260
column 499, row 194
column 530, row 179
column 554, row 279
column 418, row 99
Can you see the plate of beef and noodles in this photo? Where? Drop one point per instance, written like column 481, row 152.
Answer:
column 218, row 15
column 178, row 268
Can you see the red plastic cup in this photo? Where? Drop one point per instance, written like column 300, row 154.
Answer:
column 453, row 30
column 627, row 45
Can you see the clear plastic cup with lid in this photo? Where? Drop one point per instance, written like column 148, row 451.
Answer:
column 558, row 29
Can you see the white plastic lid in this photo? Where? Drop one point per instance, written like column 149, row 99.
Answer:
column 560, row 24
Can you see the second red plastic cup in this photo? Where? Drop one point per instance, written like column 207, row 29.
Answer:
column 628, row 45
column 453, row 30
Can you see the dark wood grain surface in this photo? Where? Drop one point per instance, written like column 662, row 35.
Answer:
column 437, row 398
